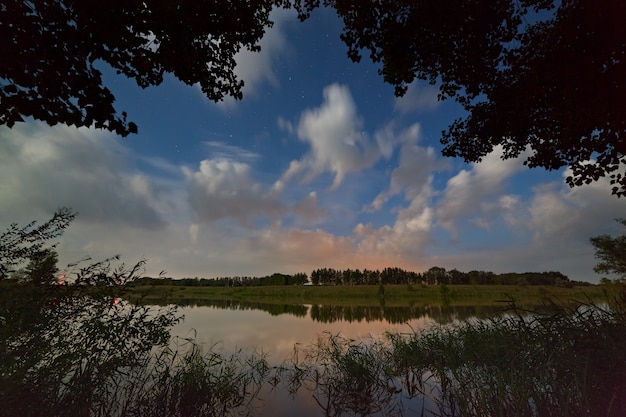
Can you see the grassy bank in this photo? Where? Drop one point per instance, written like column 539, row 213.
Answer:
column 371, row 295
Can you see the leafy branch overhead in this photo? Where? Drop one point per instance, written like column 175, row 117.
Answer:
column 540, row 75
column 539, row 78
column 51, row 52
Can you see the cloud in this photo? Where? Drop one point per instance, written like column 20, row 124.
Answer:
column 338, row 143
column 572, row 213
column 419, row 97
column 222, row 150
column 416, row 166
column 256, row 68
column 467, row 192
column 406, row 240
column 549, row 229
column 44, row 168
column 180, row 222
column 308, row 209
column 217, row 218
column 492, row 228
column 300, row 250
column 225, row 189
column 221, row 188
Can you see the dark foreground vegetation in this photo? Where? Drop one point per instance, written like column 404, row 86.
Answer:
column 543, row 79
column 563, row 362
column 74, row 354
column 77, row 349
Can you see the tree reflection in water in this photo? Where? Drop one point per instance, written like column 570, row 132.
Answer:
column 552, row 360
column 559, row 361
column 334, row 313
column 77, row 350
column 75, row 353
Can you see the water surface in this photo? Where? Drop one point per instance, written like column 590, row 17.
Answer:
column 275, row 330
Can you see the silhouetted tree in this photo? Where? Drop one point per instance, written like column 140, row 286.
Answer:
column 436, row 275
column 52, row 50
column 540, row 75
column 30, row 243
column 43, row 269
column 611, row 251
column 67, row 350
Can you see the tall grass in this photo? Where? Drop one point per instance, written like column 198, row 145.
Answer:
column 86, row 356
column 73, row 351
column 560, row 361
column 191, row 382
column 345, row 377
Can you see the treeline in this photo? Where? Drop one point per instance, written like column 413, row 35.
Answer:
column 434, row 276
column 300, row 278
column 388, row 276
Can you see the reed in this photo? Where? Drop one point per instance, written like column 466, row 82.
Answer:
column 187, row 381
column 77, row 353
column 557, row 361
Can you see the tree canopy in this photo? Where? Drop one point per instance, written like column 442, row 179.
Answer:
column 611, row 251
column 51, row 50
column 19, row 245
column 543, row 76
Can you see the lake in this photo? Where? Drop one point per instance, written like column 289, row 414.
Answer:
column 275, row 330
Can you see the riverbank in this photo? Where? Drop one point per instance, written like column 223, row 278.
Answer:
column 372, row 295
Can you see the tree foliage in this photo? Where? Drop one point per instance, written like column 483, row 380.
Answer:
column 43, row 270
column 30, row 243
column 543, row 76
column 66, row 350
column 539, row 78
column 51, row 52
column 611, row 251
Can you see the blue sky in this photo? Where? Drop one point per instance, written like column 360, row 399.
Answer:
column 318, row 166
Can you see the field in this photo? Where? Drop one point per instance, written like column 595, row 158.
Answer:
column 372, row 295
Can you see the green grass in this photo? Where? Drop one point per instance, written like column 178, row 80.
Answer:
column 366, row 295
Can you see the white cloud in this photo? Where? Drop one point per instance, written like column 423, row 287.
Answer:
column 222, row 150
column 550, row 229
column 222, row 188
column 256, row 68
column 203, row 222
column 44, row 168
column 225, row 189
column 557, row 210
column 415, row 170
column 120, row 210
column 338, row 143
column 124, row 211
column 194, row 229
column 419, row 97
column 408, row 237
column 466, row 193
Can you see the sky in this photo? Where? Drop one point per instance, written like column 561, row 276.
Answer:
column 319, row 165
